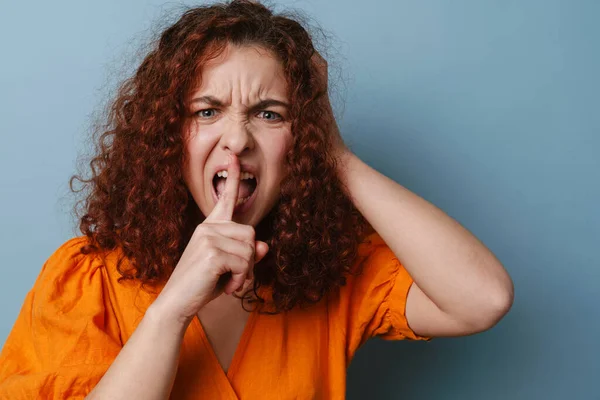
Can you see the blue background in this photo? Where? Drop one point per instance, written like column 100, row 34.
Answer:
column 488, row 109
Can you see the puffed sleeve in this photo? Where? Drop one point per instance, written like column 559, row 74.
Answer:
column 66, row 334
column 377, row 297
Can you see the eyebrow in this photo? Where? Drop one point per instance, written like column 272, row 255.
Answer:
column 214, row 102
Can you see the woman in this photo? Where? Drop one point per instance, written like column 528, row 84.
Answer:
column 234, row 247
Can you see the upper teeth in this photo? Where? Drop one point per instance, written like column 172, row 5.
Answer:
column 245, row 175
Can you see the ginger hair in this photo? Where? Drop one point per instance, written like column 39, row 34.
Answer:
column 137, row 199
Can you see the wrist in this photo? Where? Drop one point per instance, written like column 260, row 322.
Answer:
column 166, row 320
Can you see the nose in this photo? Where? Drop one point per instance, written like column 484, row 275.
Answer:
column 237, row 138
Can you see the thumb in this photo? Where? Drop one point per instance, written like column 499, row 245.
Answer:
column 261, row 250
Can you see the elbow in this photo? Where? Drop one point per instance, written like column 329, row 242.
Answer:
column 502, row 304
column 497, row 306
column 505, row 296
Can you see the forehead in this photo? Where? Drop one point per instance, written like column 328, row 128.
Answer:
column 243, row 68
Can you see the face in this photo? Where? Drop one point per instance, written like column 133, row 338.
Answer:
column 240, row 107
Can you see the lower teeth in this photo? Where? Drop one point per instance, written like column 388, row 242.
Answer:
column 239, row 201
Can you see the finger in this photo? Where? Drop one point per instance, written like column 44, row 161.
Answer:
column 260, row 251
column 239, row 274
column 236, row 247
column 225, row 207
column 234, row 272
column 231, row 230
column 236, row 282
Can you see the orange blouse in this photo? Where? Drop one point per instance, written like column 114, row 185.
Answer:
column 77, row 317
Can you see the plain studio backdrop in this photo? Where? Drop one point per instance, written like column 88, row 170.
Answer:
column 488, row 109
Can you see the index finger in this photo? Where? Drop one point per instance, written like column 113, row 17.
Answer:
column 226, row 205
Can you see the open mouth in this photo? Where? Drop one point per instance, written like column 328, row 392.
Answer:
column 247, row 189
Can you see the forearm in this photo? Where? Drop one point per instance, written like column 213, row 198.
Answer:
column 146, row 366
column 450, row 265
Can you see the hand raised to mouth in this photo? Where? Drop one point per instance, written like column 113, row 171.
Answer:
column 219, row 257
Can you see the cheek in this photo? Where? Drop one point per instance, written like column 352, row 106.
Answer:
column 285, row 147
column 196, row 152
column 280, row 151
column 282, row 146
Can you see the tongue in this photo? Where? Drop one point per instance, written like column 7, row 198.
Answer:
column 244, row 188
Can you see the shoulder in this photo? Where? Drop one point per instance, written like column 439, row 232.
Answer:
column 371, row 275
column 67, row 324
column 80, row 281
column 375, row 261
column 77, row 259
column 75, row 274
column 68, row 260
column 372, row 303
column 68, row 277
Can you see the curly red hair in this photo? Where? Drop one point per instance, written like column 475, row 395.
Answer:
column 138, row 200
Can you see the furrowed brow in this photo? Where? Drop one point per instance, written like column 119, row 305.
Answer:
column 269, row 103
column 214, row 102
column 210, row 100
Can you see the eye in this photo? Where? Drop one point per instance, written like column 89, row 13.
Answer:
column 206, row 113
column 268, row 115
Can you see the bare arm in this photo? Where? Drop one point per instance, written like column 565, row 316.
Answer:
column 146, row 366
column 459, row 287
